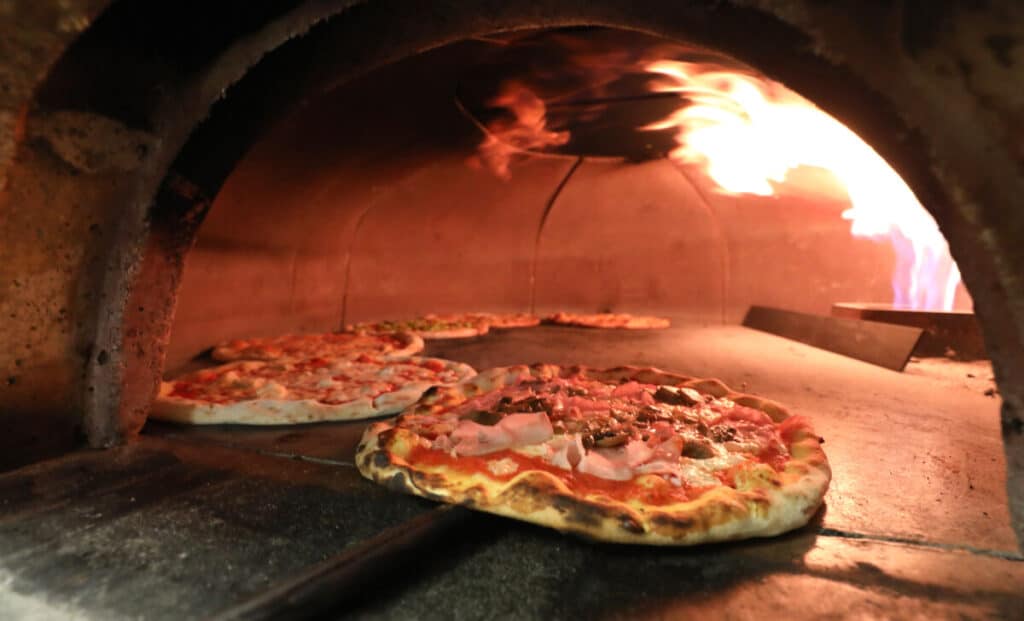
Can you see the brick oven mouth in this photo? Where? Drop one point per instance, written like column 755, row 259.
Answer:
column 342, row 182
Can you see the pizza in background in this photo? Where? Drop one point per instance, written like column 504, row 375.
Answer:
column 292, row 391
column 632, row 455
column 493, row 320
column 337, row 345
column 609, row 320
column 429, row 327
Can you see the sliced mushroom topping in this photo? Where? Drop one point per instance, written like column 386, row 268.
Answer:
column 675, row 396
column 651, row 413
column 528, row 404
column 485, row 417
column 722, row 433
column 698, row 449
column 612, row 440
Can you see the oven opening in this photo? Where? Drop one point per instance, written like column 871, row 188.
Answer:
column 529, row 170
column 597, row 170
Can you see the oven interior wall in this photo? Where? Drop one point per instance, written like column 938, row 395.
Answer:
column 366, row 202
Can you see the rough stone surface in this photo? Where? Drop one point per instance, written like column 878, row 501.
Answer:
column 161, row 531
column 934, row 473
column 512, row 571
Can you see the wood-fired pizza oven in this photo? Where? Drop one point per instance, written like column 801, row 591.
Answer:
column 177, row 173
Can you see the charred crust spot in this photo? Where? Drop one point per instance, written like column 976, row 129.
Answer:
column 428, row 480
column 398, row 483
column 529, row 494
column 381, row 459
column 577, row 512
column 673, row 523
column 630, row 524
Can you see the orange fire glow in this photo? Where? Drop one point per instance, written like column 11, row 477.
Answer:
column 524, row 129
column 748, row 133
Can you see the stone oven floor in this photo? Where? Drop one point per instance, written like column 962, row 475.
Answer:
column 189, row 522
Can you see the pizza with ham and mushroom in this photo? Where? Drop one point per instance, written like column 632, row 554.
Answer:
column 609, row 320
column 631, row 455
column 336, row 345
column 428, row 327
column 290, row 391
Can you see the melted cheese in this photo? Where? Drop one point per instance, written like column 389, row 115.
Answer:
column 502, row 467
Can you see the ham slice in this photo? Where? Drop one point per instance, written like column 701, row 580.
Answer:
column 472, row 438
column 668, row 450
column 659, row 466
column 637, row 452
column 616, row 464
column 599, row 465
column 513, row 430
column 527, row 428
column 566, row 451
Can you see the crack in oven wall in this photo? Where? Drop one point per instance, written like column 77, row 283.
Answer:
column 103, row 282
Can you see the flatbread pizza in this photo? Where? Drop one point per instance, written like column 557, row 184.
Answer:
column 429, row 327
column 333, row 345
column 293, row 391
column 630, row 455
column 493, row 320
column 609, row 320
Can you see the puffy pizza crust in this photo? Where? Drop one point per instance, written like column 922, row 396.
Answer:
column 455, row 333
column 765, row 502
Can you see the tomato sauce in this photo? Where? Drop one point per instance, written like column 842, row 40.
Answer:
column 659, row 494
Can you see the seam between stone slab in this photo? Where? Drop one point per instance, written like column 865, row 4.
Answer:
column 241, row 446
column 316, row 460
column 949, row 547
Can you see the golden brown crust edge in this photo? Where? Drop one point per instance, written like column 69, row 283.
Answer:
column 767, row 503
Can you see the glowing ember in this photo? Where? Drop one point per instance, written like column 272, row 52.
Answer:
column 526, row 129
column 748, row 133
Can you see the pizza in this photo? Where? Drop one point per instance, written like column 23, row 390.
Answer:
column 256, row 392
column 609, row 320
column 629, row 455
column 335, row 345
column 429, row 327
column 493, row 320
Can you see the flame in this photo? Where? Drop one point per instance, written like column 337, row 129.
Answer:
column 526, row 129
column 748, row 133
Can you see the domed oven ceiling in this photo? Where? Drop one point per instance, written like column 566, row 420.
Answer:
column 583, row 169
